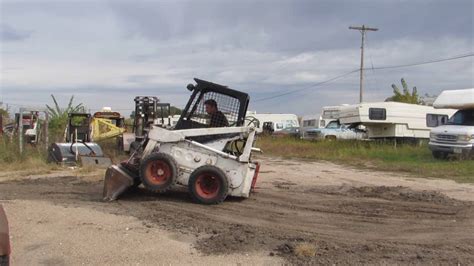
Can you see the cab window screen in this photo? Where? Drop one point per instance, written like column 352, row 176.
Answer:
column 377, row 114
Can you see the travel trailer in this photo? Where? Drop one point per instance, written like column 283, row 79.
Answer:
column 278, row 122
column 392, row 120
column 456, row 135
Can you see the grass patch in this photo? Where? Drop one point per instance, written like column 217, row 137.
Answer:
column 412, row 159
column 32, row 160
column 305, row 250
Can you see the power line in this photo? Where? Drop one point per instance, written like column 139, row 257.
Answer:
column 373, row 68
column 311, row 86
column 424, row 63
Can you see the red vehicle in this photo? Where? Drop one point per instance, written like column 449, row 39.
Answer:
column 4, row 239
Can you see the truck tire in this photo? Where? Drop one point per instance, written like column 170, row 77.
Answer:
column 440, row 155
column 158, row 172
column 208, row 185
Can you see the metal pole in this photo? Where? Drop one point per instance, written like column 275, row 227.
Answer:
column 361, row 91
column 20, row 130
column 46, row 130
column 362, row 30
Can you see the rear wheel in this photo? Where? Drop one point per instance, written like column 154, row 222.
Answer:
column 440, row 155
column 208, row 185
column 158, row 172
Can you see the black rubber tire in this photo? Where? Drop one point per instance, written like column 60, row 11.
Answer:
column 218, row 175
column 4, row 261
column 145, row 172
column 440, row 155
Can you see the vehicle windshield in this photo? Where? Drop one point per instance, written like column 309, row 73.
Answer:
column 333, row 124
column 462, row 118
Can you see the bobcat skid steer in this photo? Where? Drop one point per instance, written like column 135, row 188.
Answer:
column 213, row 162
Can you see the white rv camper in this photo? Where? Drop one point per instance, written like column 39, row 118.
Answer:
column 278, row 121
column 312, row 122
column 309, row 122
column 455, row 136
column 392, row 119
column 331, row 113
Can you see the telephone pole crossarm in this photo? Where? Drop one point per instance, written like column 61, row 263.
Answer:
column 362, row 30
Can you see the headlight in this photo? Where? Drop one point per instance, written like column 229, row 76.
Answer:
column 432, row 135
column 465, row 137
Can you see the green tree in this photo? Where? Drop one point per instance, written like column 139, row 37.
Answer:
column 58, row 116
column 404, row 96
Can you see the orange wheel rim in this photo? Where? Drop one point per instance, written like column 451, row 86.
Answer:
column 207, row 186
column 158, row 172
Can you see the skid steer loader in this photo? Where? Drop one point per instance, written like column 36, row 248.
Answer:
column 213, row 162
column 78, row 148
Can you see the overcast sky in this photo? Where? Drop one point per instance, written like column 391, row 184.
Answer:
column 107, row 52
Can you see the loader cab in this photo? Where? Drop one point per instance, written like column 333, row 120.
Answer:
column 115, row 118
column 233, row 104
column 78, row 127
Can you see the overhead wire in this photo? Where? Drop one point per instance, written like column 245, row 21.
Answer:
column 425, row 62
column 308, row 87
column 373, row 68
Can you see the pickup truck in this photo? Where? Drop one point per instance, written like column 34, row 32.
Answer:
column 334, row 130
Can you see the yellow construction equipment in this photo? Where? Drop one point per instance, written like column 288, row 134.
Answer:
column 105, row 125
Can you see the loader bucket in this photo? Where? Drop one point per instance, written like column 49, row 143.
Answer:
column 86, row 154
column 117, row 180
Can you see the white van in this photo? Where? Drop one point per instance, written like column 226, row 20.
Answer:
column 455, row 136
column 392, row 119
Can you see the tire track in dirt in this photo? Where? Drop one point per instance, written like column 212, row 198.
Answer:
column 345, row 224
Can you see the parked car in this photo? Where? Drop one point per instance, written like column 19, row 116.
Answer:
column 287, row 132
column 334, row 130
column 4, row 239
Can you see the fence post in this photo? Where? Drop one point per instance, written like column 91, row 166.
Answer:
column 20, row 130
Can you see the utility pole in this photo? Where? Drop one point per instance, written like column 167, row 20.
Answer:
column 362, row 30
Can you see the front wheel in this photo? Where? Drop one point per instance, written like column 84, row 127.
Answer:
column 158, row 172
column 208, row 185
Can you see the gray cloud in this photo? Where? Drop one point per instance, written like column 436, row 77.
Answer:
column 10, row 34
column 105, row 53
column 291, row 26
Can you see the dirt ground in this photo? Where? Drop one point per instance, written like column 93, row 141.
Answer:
column 302, row 212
